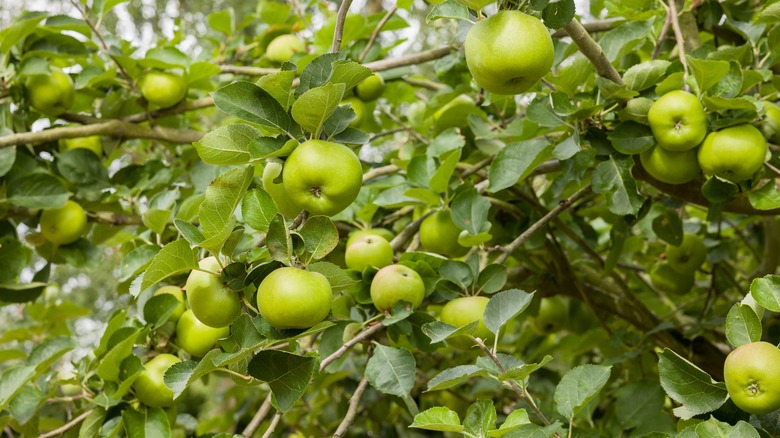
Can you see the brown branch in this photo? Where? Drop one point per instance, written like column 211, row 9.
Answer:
column 376, row 31
column 265, row 408
column 678, row 36
column 662, row 36
column 354, row 404
column 593, row 27
column 338, row 33
column 67, row 426
column 592, row 51
column 424, row 83
column 408, row 232
column 416, row 58
column 272, row 426
column 376, row 172
column 376, row 328
column 177, row 109
column 247, row 70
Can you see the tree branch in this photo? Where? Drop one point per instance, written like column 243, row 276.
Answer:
column 354, row 404
column 338, row 33
column 376, row 172
column 67, row 426
column 592, row 27
column 592, row 51
column 250, row 428
column 402, row 237
column 678, row 36
column 376, row 328
column 376, row 31
column 272, row 426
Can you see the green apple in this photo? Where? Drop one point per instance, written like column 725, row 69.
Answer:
column 370, row 88
column 455, row 114
column 381, row 232
column 509, row 52
column 678, row 121
column 465, row 310
column 439, row 234
column 197, row 338
column 688, row 256
column 51, row 94
column 734, row 153
column 93, row 143
column 671, row 167
column 211, row 301
column 396, row 283
column 149, row 385
column 291, row 298
column 162, row 88
column 667, row 280
column 178, row 294
column 64, row 225
column 752, row 378
column 285, row 204
column 282, row 48
column 322, row 177
column 771, row 125
column 359, row 108
column 368, row 251
column 552, row 316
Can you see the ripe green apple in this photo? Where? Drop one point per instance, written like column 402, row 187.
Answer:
column 178, row 294
column 211, row 301
column 689, row 256
column 282, row 48
column 734, row 153
column 396, row 283
column 93, row 143
column 322, row 177
column 439, row 234
column 752, row 378
column 162, row 88
column 677, row 120
column 51, row 94
column 455, row 114
column 771, row 125
column 64, row 225
column 368, row 251
column 285, row 204
column 671, row 167
column 293, row 298
column 359, row 108
column 381, row 232
column 149, row 386
column 552, row 316
column 508, row 52
column 666, row 279
column 197, row 338
column 370, row 88
column 465, row 310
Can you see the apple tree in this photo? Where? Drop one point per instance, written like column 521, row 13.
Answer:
column 390, row 218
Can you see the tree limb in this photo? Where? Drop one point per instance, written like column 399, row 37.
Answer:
column 67, row 426
column 376, row 31
column 592, row 27
column 258, row 418
column 354, row 404
column 338, row 33
column 376, row 328
column 592, row 51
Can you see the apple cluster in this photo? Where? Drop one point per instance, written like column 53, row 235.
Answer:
column 677, row 274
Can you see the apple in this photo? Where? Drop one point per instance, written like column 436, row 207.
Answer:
column 370, row 88
column 51, row 94
column 667, row 280
column 455, row 114
column 381, row 232
column 64, row 225
column 368, row 251
column 439, row 234
column 688, row 256
column 197, row 338
column 149, row 385
column 771, row 125
column 285, row 204
column 322, row 177
column 677, row 120
column 359, row 108
column 291, row 298
column 396, row 283
column 465, row 310
column 211, row 301
column 552, row 316
column 178, row 294
column 282, row 48
column 752, row 378
column 508, row 52
column 93, row 143
column 734, row 153
column 671, row 167
column 162, row 88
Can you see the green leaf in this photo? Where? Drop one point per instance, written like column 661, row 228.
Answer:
column 108, row 369
column 159, row 308
column 278, row 240
column 313, row 107
column 56, row 45
column 687, row 384
column 391, row 370
column 90, row 427
column 714, row 428
column 454, row 376
column 279, row 85
column 770, row 14
column 174, row 258
column 84, row 169
column 37, row 190
column 765, row 198
column 516, row 161
column 165, row 57
column 318, row 72
column 12, row 380
column 146, row 423
column 44, row 354
column 253, row 104
column 189, row 232
column 642, row 76
column 448, row 9
column 521, row 372
column 632, row 138
column 22, row 26
column 742, row 325
column 625, row 38
column 227, row 145
column 287, row 374
column 470, row 211
column 223, row 21
column 492, row 278
column 669, row 227
column 320, row 236
column 612, row 178
column 258, row 209
column 638, row 404
column 21, row 292
column 223, row 195
column 707, row 73
column 515, row 420
column 439, row 418
column 766, row 291
column 181, row 375
column 7, row 159
column 25, row 404
column 579, row 386
column 338, row 279
column 441, row 177
column 269, row 147
column 480, row 418
column 504, row 306
column 559, row 14
column 349, row 73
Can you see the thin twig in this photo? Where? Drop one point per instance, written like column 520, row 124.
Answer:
column 402, row 237
column 376, row 31
column 376, row 328
column 592, row 51
column 67, row 426
column 273, row 425
column 662, row 36
column 679, row 37
column 354, row 404
column 250, row 428
column 376, row 172
column 338, row 33
column 593, row 27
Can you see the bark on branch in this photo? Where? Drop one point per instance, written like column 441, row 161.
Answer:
column 592, row 51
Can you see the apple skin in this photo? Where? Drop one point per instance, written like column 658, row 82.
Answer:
column 734, row 153
column 162, row 88
column 64, row 225
column 359, row 108
column 368, row 251
column 149, row 386
column 197, row 338
column 455, row 114
column 396, row 283
column 666, row 279
column 751, row 377
column 671, row 167
column 771, row 125
column 689, row 256
column 282, row 48
column 465, row 310
column 283, row 201
column 291, row 298
column 178, row 294
column 51, row 94
column 552, row 316
column 322, row 177
column 211, row 301
column 439, row 234
column 509, row 52
column 678, row 121
column 93, row 143
column 381, row 232
column 370, row 88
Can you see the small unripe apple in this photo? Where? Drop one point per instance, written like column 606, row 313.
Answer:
column 178, row 294
column 465, row 310
column 396, row 283
column 212, row 302
column 368, row 251
column 293, row 298
column 64, row 225
column 93, row 143
column 162, row 88
column 282, row 48
column 197, row 338
column 149, row 385
column 51, row 94
column 370, row 88
column 285, row 204
column 359, row 108
column 734, row 153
